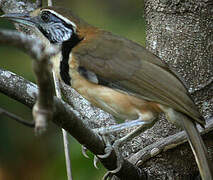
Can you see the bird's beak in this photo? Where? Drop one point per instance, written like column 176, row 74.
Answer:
column 22, row 18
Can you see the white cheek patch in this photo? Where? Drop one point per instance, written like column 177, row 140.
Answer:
column 66, row 34
column 56, row 32
column 60, row 34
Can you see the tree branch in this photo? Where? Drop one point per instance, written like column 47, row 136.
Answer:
column 42, row 110
column 49, row 2
column 39, row 3
column 17, row 118
column 30, row 45
column 165, row 144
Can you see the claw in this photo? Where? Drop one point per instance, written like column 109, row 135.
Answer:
column 95, row 161
column 115, row 146
column 107, row 175
column 84, row 151
column 108, row 151
column 119, row 166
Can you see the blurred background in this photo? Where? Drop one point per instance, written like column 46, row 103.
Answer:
column 26, row 157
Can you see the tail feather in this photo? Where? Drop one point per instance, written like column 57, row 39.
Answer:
column 197, row 145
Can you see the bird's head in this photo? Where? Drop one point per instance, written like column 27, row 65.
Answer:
column 57, row 24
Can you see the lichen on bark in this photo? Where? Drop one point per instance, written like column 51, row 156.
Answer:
column 181, row 34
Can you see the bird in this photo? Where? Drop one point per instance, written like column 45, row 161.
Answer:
column 117, row 75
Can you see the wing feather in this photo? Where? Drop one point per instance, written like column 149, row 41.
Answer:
column 130, row 67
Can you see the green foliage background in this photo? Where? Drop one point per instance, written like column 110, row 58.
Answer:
column 26, row 157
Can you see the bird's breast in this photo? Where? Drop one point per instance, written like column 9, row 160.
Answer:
column 119, row 104
column 56, row 64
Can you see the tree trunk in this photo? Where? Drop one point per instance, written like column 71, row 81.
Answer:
column 180, row 33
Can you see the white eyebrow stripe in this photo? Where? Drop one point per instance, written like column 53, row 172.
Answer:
column 63, row 18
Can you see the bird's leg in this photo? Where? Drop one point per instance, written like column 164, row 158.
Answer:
column 119, row 127
column 105, row 132
column 95, row 159
column 108, row 149
column 144, row 125
column 118, row 143
column 134, row 133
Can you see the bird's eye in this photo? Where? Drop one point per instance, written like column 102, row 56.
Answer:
column 45, row 17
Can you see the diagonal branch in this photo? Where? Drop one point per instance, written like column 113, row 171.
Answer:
column 165, row 144
column 17, row 118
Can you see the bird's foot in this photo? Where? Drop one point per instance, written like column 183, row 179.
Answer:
column 108, row 175
column 95, row 159
column 120, row 160
column 84, row 151
column 108, row 151
column 95, row 162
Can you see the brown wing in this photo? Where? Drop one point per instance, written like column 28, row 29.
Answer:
column 130, row 67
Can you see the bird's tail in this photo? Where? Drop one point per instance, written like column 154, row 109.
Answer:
column 197, row 145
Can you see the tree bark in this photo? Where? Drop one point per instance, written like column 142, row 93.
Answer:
column 180, row 33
